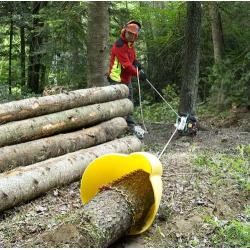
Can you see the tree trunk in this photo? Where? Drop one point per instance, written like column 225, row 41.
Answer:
column 39, row 150
column 10, row 52
column 106, row 218
column 217, row 33
column 18, row 110
column 149, row 41
column 97, row 43
column 190, row 75
column 22, row 55
column 26, row 183
column 34, row 128
column 35, row 56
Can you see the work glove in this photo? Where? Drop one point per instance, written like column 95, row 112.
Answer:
column 142, row 75
column 137, row 64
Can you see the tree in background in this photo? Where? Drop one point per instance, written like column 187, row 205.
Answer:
column 160, row 47
column 218, row 46
column 229, row 77
column 36, row 68
column 217, row 33
column 190, row 74
column 97, row 43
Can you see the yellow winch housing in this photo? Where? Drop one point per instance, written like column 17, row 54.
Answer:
column 108, row 168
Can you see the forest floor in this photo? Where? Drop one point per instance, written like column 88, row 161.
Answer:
column 201, row 196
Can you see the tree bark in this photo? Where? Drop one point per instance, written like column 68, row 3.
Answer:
column 22, row 55
column 107, row 217
column 35, row 56
column 39, row 150
column 18, row 110
column 217, row 33
column 10, row 52
column 190, row 74
column 97, row 43
column 34, row 128
column 26, row 183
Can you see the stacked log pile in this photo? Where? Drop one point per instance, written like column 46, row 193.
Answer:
column 48, row 141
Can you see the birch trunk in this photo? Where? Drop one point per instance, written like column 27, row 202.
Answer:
column 39, row 150
column 26, row 183
column 34, row 128
column 107, row 217
column 19, row 110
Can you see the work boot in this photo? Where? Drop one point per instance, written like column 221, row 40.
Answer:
column 138, row 131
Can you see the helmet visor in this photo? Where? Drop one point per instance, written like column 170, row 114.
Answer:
column 133, row 28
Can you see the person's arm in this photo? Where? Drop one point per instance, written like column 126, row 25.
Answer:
column 125, row 62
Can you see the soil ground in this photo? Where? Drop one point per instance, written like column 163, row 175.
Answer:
column 190, row 195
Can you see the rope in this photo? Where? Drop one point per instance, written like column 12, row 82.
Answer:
column 167, row 144
column 162, row 97
column 139, row 90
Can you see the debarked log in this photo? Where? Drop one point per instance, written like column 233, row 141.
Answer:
column 26, row 183
column 19, row 110
column 42, row 126
column 108, row 216
column 27, row 153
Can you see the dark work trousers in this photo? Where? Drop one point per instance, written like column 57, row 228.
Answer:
column 129, row 119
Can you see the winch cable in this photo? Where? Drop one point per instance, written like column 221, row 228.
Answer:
column 162, row 97
column 139, row 91
column 165, row 147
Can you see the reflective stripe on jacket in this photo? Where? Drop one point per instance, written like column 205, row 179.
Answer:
column 121, row 67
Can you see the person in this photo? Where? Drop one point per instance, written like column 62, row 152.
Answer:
column 123, row 66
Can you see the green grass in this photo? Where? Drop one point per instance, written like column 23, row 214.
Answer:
column 235, row 167
column 234, row 233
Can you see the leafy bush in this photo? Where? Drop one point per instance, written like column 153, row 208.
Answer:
column 230, row 81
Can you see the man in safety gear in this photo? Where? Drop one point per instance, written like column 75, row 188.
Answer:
column 123, row 66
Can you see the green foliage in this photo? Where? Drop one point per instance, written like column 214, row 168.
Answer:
column 159, row 47
column 159, row 112
column 231, row 79
column 234, row 233
column 18, row 92
column 209, row 110
column 161, row 39
column 65, row 49
column 236, row 167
